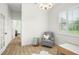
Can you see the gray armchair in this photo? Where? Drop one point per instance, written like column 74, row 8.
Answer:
column 49, row 41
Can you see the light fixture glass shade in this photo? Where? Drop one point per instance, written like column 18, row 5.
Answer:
column 46, row 6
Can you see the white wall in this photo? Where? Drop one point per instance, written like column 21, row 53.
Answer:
column 54, row 24
column 8, row 25
column 34, row 22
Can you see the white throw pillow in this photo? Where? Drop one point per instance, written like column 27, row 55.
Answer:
column 46, row 36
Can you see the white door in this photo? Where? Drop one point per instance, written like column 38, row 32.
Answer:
column 2, row 23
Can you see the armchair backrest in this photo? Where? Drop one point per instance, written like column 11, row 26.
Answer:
column 49, row 33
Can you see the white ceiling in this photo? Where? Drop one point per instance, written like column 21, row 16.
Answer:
column 15, row 7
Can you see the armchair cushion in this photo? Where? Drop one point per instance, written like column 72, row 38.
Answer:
column 48, row 43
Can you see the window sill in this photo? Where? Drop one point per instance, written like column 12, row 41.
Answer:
column 67, row 34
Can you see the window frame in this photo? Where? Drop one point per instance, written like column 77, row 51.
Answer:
column 66, row 32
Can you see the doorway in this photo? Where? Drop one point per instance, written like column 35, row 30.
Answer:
column 15, row 11
column 17, row 27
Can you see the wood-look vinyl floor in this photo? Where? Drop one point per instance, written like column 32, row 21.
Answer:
column 15, row 48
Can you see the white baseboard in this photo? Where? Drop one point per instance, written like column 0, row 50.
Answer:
column 3, row 49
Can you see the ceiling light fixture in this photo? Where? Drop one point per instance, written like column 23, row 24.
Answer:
column 46, row 6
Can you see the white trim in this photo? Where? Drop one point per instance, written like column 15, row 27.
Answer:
column 3, row 49
column 67, row 34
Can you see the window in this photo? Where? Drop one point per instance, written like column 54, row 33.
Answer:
column 63, row 21
column 69, row 21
